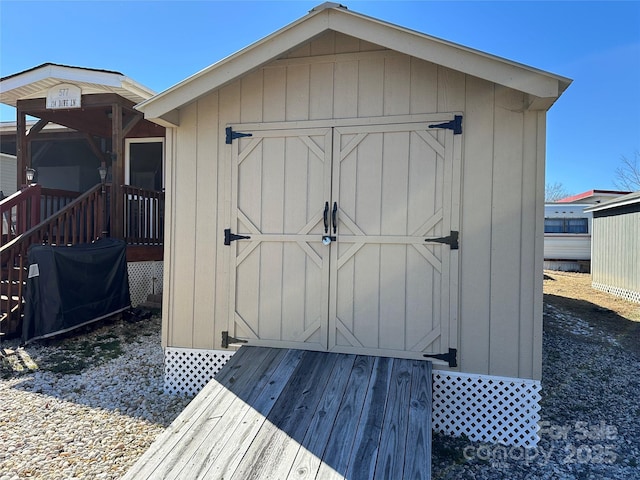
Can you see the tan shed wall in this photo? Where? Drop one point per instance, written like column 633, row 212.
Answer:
column 500, row 330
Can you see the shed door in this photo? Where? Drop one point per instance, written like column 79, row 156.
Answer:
column 279, row 277
column 392, row 292
column 382, row 286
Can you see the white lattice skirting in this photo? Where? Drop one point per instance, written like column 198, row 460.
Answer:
column 187, row 371
column 482, row 407
column 144, row 278
column 618, row 292
column 486, row 408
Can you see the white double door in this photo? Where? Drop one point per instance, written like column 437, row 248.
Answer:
column 382, row 193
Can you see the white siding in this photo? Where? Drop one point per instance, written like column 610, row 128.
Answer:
column 8, row 174
column 501, row 211
column 568, row 246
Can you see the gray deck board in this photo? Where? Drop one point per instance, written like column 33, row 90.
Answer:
column 293, row 414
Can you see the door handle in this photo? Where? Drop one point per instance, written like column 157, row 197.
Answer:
column 326, row 217
column 334, row 216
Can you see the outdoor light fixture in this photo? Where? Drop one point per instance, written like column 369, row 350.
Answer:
column 30, row 174
column 102, row 170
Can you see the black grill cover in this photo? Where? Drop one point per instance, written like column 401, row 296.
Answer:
column 68, row 287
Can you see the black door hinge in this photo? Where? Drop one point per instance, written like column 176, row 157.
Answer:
column 232, row 237
column 450, row 357
column 228, row 340
column 231, row 135
column 451, row 240
column 455, row 125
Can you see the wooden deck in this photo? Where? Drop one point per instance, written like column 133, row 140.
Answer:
column 293, row 414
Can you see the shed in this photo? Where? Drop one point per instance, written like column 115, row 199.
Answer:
column 348, row 185
column 615, row 246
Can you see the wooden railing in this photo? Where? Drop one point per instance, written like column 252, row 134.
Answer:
column 143, row 216
column 28, row 207
column 81, row 221
column 19, row 212
column 54, row 200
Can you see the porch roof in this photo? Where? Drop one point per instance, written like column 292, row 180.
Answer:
column 35, row 82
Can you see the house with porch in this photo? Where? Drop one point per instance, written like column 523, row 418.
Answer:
column 87, row 166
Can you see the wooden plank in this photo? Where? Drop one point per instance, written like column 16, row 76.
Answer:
column 338, row 451
column 475, row 306
column 243, row 365
column 291, row 414
column 395, row 424
column 228, row 411
column 276, row 445
column 206, row 233
column 181, row 322
column 307, row 461
column 506, row 224
column 297, row 92
column 417, row 457
column 364, row 455
column 226, row 460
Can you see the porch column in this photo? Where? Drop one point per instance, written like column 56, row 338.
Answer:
column 117, row 171
column 22, row 151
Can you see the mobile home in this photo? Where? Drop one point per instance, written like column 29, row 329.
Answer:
column 567, row 237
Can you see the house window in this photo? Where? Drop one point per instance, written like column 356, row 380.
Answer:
column 143, row 163
column 566, row 225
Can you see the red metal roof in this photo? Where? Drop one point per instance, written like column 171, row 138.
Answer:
column 589, row 193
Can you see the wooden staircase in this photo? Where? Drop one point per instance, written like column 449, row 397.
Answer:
column 39, row 216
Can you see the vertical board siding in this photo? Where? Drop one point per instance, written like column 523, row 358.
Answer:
column 184, row 226
column 169, row 255
column 616, row 249
column 528, row 234
column 506, row 249
column 475, row 289
column 206, row 237
column 503, row 162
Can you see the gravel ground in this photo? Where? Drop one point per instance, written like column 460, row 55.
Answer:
column 590, row 417
column 94, row 403
column 90, row 409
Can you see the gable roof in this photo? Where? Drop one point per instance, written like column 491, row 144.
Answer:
column 35, row 82
column 592, row 196
column 632, row 198
column 543, row 87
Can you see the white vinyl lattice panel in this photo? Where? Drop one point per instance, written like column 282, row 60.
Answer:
column 187, row 371
column 144, row 278
column 487, row 408
column 484, row 408
column 618, row 292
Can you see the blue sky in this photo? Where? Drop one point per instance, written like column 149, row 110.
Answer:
column 159, row 43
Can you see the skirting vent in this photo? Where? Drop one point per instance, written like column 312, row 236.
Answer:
column 484, row 408
column 618, row 292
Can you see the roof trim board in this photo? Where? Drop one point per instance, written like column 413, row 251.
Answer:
column 630, row 199
column 543, row 87
column 35, row 82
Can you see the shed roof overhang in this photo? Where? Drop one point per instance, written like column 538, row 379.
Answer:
column 543, row 88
